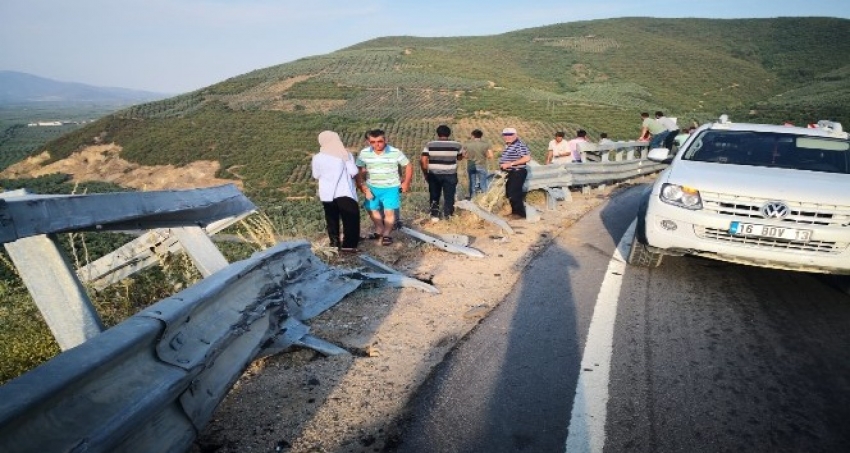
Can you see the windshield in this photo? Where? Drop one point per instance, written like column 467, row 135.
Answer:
column 767, row 149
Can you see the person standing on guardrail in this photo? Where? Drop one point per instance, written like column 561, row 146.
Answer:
column 477, row 152
column 439, row 166
column 574, row 145
column 379, row 181
column 513, row 161
column 558, row 152
column 650, row 129
column 671, row 130
column 334, row 168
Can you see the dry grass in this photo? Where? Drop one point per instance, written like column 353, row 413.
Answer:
column 258, row 230
column 494, row 199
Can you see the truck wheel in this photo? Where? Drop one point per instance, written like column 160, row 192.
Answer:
column 639, row 255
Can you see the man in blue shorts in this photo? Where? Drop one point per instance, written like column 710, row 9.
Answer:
column 379, row 181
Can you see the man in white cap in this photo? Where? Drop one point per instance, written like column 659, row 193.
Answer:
column 513, row 161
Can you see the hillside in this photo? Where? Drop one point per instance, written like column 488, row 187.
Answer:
column 596, row 75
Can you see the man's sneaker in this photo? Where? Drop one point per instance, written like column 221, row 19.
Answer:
column 435, row 219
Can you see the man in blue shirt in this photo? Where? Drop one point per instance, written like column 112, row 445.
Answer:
column 513, row 161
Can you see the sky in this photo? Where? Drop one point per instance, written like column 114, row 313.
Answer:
column 176, row 46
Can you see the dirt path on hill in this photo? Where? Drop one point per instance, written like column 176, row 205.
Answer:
column 304, row 402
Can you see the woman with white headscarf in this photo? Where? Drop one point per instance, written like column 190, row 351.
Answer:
column 334, row 168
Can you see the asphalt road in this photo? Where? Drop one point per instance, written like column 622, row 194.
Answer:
column 705, row 357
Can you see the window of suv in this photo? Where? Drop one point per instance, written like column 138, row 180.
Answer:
column 769, row 149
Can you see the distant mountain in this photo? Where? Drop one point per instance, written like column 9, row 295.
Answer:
column 23, row 88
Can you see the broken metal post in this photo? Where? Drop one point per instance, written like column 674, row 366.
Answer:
column 377, row 264
column 489, row 217
column 469, row 251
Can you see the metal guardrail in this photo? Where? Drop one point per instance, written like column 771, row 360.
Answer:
column 29, row 222
column 601, row 164
column 152, row 382
column 610, row 163
column 24, row 215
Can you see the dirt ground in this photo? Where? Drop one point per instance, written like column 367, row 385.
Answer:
column 302, row 401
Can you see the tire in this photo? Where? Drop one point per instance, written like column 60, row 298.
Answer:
column 641, row 256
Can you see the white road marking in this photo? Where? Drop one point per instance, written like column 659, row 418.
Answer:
column 587, row 423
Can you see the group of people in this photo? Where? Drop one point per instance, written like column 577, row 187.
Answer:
column 375, row 173
column 659, row 131
column 565, row 152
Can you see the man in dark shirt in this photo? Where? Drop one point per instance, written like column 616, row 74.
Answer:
column 439, row 165
column 513, row 161
column 477, row 152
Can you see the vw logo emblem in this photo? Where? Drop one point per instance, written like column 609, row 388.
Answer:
column 775, row 210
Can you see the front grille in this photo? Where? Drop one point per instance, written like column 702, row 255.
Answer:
column 801, row 213
column 715, row 234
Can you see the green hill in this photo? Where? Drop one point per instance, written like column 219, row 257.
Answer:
column 596, row 75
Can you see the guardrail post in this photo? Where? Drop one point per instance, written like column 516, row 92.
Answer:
column 55, row 289
column 198, row 245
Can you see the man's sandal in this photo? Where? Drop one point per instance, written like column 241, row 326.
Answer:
column 386, row 240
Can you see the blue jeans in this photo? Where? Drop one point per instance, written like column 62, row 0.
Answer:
column 658, row 140
column 477, row 176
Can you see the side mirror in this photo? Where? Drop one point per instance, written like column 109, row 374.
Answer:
column 660, row 155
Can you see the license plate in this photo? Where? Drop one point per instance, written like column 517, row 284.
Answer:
column 770, row 231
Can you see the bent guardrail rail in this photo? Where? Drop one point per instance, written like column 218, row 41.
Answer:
column 29, row 222
column 151, row 383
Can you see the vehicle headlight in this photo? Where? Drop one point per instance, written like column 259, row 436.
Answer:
column 683, row 196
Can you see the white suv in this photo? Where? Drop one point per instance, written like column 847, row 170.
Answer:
column 763, row 195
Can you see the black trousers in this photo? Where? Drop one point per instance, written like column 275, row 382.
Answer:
column 445, row 185
column 514, row 192
column 347, row 210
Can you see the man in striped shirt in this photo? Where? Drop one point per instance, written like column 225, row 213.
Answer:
column 379, row 165
column 513, row 161
column 439, row 165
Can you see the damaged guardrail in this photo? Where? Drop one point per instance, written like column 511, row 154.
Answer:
column 152, row 382
column 29, row 223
